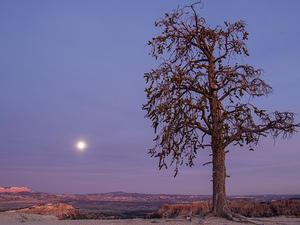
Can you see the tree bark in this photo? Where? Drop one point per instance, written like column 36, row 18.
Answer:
column 220, row 207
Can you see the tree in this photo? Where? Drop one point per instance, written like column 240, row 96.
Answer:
column 200, row 96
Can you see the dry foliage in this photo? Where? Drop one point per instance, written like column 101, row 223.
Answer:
column 245, row 208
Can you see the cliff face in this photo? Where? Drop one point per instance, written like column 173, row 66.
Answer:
column 60, row 210
column 14, row 189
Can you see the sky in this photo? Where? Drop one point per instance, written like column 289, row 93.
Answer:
column 73, row 70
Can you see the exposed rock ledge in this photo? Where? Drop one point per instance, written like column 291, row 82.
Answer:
column 60, row 210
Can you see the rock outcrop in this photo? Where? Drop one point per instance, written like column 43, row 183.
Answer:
column 60, row 210
column 14, row 189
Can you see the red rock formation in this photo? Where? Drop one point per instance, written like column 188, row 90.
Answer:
column 14, row 189
column 60, row 210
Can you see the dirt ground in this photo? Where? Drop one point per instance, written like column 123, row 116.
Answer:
column 9, row 218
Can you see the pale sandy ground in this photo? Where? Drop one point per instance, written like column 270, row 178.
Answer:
column 8, row 218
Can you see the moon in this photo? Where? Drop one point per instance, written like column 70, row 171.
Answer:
column 81, row 145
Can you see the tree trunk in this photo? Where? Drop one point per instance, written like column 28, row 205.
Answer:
column 220, row 207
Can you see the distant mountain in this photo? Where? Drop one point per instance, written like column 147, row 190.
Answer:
column 14, row 189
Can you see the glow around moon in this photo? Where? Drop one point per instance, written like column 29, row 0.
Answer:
column 81, row 145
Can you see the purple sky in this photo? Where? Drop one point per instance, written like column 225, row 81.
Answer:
column 73, row 69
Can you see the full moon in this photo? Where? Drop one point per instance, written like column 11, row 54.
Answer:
column 81, row 145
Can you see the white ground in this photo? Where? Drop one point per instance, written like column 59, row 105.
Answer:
column 9, row 218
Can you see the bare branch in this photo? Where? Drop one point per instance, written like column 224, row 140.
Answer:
column 204, row 164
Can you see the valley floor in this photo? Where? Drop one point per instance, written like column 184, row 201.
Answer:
column 9, row 218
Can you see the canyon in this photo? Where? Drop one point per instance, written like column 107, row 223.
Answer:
column 113, row 204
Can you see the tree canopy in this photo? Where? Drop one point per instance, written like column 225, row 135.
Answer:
column 196, row 63
column 200, row 96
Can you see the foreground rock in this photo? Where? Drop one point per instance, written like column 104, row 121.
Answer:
column 60, row 210
column 31, row 219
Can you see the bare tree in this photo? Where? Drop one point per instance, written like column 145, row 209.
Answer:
column 200, row 96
